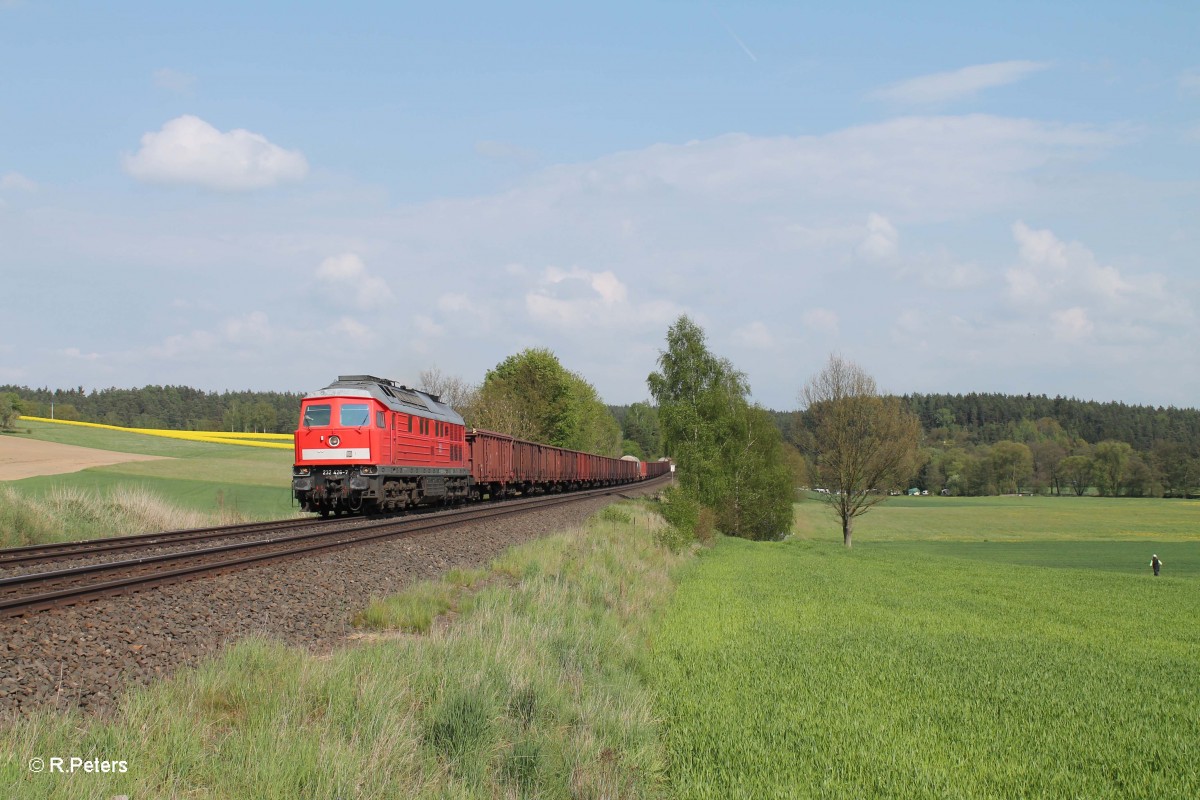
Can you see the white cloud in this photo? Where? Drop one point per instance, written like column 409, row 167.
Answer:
column 189, row 151
column 909, row 167
column 939, row 269
column 455, row 303
column 821, row 320
column 755, row 335
column 581, row 299
column 254, row 326
column 76, row 353
column 881, row 240
column 1071, row 325
column 15, row 180
column 348, row 326
column 943, row 87
column 249, row 332
column 174, row 80
column 1049, row 268
column 732, row 229
column 351, row 283
column 426, row 327
column 1087, row 300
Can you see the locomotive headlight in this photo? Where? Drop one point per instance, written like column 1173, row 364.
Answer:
column 334, row 441
column 300, row 471
column 369, row 470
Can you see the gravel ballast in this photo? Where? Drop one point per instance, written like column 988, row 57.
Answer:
column 85, row 656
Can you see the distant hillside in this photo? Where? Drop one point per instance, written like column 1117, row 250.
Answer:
column 990, row 418
column 170, row 407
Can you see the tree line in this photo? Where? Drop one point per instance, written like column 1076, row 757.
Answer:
column 991, row 418
column 984, row 444
column 166, row 407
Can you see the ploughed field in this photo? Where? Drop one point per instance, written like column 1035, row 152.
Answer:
column 928, row 662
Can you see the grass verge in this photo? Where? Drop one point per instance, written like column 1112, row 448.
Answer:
column 536, row 690
column 68, row 513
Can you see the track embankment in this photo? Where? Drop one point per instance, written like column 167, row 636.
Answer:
column 86, row 655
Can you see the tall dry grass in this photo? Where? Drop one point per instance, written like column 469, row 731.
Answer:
column 67, row 513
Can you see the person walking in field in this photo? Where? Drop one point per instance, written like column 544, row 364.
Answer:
column 1156, row 562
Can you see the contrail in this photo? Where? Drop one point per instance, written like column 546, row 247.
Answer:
column 736, row 38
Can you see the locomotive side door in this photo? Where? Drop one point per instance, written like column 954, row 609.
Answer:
column 383, row 429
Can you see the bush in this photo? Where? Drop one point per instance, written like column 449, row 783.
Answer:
column 615, row 515
column 683, row 515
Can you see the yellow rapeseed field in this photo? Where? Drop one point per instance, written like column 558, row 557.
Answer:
column 276, row 441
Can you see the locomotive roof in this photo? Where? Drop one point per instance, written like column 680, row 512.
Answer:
column 393, row 395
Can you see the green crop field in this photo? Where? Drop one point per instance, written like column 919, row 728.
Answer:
column 1010, row 519
column 199, row 476
column 930, row 662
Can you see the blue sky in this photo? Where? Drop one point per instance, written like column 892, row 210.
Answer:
column 958, row 197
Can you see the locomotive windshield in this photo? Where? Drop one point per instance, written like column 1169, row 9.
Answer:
column 316, row 416
column 355, row 415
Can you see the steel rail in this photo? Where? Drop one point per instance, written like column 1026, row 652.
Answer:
column 112, row 544
column 335, row 538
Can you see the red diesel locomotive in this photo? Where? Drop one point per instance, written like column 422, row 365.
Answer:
column 368, row 444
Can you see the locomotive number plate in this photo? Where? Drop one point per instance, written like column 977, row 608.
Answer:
column 335, row 454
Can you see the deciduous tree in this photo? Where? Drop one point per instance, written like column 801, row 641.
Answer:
column 729, row 452
column 1077, row 471
column 532, row 396
column 641, row 425
column 1111, row 459
column 864, row 444
column 1012, row 462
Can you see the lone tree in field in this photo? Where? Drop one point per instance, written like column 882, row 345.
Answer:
column 863, row 444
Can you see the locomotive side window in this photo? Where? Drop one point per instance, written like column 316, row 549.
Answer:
column 316, row 416
column 355, row 415
column 380, row 419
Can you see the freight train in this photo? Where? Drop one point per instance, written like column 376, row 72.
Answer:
column 368, row 445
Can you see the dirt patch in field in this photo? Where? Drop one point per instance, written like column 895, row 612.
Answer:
column 27, row 458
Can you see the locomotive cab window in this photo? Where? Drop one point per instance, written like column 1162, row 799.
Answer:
column 355, row 415
column 316, row 416
column 380, row 419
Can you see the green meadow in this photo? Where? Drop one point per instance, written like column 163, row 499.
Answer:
column 210, row 478
column 975, row 647
column 1010, row 518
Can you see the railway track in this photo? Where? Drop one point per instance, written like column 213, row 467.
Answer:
column 35, row 591
column 59, row 551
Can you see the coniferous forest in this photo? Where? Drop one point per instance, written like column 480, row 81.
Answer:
column 170, row 407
